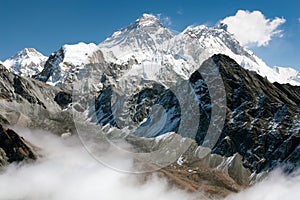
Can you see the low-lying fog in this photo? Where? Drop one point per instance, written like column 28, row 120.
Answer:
column 66, row 171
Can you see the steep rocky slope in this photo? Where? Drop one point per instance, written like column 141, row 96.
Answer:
column 261, row 121
column 31, row 103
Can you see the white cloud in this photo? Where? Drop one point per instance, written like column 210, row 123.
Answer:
column 66, row 171
column 179, row 12
column 164, row 19
column 253, row 28
column 299, row 19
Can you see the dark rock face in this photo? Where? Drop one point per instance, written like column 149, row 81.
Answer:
column 63, row 99
column 262, row 121
column 50, row 69
column 14, row 148
column 64, row 76
column 293, row 92
column 140, row 104
column 157, row 95
column 103, row 107
column 25, row 89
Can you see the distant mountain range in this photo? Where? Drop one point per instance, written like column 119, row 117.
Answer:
column 148, row 41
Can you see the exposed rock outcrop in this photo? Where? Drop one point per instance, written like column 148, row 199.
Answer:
column 14, row 148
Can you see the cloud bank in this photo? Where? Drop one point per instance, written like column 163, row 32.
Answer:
column 253, row 28
column 67, row 171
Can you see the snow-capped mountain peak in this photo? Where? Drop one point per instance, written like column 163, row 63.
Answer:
column 26, row 62
column 147, row 20
column 27, row 52
column 140, row 40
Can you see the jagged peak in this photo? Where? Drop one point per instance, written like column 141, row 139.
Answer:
column 76, row 54
column 197, row 29
column 219, row 31
column 147, row 22
column 148, row 16
column 148, row 19
column 28, row 52
column 194, row 31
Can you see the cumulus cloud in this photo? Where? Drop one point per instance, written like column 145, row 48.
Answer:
column 253, row 28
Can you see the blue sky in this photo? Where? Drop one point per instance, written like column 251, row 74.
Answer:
column 46, row 25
